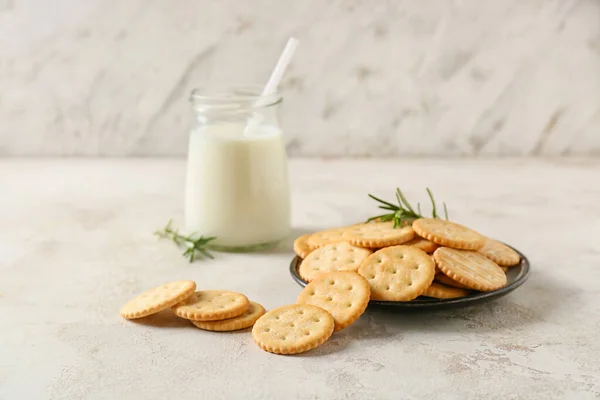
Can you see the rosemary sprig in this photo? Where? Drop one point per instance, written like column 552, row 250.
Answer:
column 403, row 213
column 195, row 248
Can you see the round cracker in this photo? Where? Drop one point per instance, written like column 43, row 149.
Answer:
column 422, row 244
column 323, row 238
column 439, row 291
column 443, row 279
column 332, row 257
column 157, row 299
column 293, row 329
column 212, row 305
column 470, row 268
column 245, row 320
column 499, row 253
column 378, row 234
column 344, row 294
column 301, row 246
column 446, row 233
column 398, row 273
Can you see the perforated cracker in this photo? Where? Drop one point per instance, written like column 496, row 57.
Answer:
column 470, row 268
column 245, row 320
column 499, row 253
column 446, row 233
column 301, row 246
column 157, row 299
column 344, row 294
column 293, row 329
column 212, row 305
column 377, row 234
column 332, row 257
column 439, row 291
column 443, row 279
column 422, row 244
column 398, row 273
column 323, row 238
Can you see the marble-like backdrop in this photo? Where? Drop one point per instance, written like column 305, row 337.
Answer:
column 370, row 78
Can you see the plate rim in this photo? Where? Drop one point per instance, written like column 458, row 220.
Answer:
column 523, row 276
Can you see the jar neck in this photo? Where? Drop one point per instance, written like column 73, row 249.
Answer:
column 233, row 102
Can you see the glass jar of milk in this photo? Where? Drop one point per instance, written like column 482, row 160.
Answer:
column 237, row 179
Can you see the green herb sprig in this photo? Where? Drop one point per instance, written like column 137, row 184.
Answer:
column 403, row 213
column 195, row 247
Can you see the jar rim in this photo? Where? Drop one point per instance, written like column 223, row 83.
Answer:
column 247, row 96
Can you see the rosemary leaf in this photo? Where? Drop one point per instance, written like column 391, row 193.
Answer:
column 403, row 213
column 195, row 246
column 382, row 201
column 434, row 210
column 403, row 200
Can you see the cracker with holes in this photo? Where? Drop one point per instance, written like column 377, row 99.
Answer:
column 439, row 291
column 344, row 294
column 323, row 238
column 293, row 329
column 212, row 305
column 157, row 299
column 332, row 257
column 398, row 273
column 422, row 244
column 446, row 233
column 243, row 321
column 377, row 234
column 499, row 253
column 470, row 268
column 444, row 280
column 301, row 246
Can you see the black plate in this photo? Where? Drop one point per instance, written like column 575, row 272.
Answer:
column 516, row 276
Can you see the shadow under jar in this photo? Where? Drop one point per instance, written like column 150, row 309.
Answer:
column 237, row 186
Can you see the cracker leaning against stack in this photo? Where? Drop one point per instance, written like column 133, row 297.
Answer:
column 327, row 304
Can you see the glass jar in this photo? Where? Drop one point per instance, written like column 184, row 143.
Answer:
column 237, row 185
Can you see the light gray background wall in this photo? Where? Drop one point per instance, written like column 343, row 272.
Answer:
column 370, row 78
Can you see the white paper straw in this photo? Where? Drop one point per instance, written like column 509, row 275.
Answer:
column 274, row 79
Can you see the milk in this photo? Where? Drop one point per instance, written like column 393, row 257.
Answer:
column 237, row 185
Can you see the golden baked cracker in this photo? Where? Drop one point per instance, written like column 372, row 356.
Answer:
column 211, row 305
column 332, row 257
column 446, row 233
column 301, row 246
column 470, row 268
column 157, row 299
column 293, row 329
column 377, row 234
column 323, row 238
column 245, row 320
column 398, row 273
column 443, row 279
column 344, row 294
column 499, row 253
column 439, row 291
column 423, row 244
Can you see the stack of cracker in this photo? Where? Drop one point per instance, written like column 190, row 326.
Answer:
column 432, row 257
column 212, row 310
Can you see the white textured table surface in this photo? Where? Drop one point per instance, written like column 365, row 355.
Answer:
column 76, row 243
